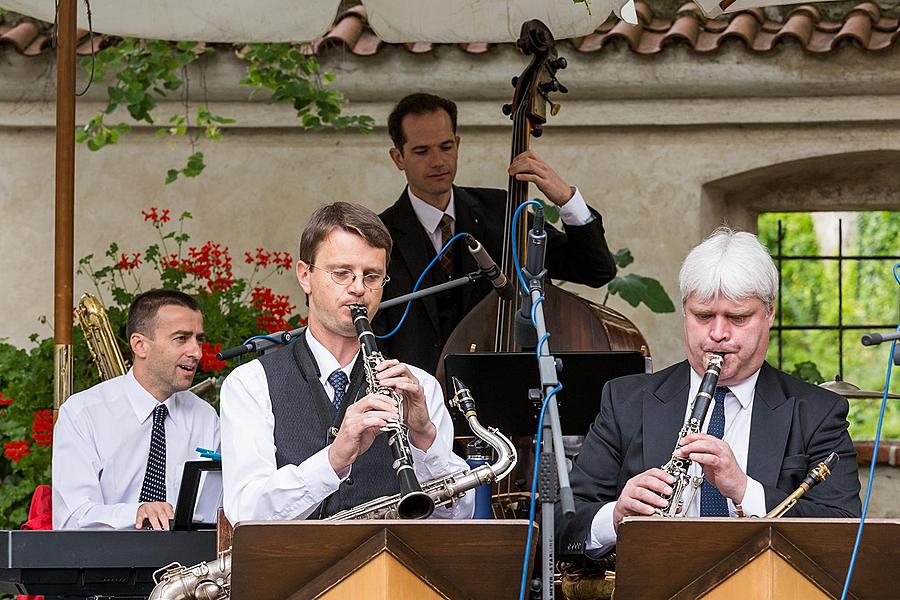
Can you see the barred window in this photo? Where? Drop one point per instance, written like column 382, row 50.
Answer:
column 836, row 283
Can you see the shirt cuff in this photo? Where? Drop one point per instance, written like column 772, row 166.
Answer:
column 125, row 516
column 435, row 462
column 322, row 471
column 575, row 212
column 754, row 502
column 603, row 531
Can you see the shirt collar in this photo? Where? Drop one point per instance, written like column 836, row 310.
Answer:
column 143, row 403
column 328, row 364
column 429, row 216
column 743, row 390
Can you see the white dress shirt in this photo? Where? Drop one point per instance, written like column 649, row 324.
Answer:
column 256, row 489
column 738, row 413
column 574, row 212
column 101, row 443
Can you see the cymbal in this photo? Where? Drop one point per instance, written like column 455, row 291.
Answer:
column 848, row 390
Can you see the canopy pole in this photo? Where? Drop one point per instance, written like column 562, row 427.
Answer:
column 65, row 200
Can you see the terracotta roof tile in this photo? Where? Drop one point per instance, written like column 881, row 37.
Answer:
column 863, row 26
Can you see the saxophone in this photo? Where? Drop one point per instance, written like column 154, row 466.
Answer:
column 677, row 466
column 815, row 476
column 98, row 334
column 212, row 581
column 413, row 502
column 444, row 491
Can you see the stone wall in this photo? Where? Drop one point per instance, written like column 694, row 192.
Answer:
column 665, row 147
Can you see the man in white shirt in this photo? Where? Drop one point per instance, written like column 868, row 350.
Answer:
column 763, row 432
column 432, row 209
column 119, row 448
column 300, row 433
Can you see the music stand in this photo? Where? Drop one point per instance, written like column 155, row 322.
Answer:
column 190, row 490
column 500, row 382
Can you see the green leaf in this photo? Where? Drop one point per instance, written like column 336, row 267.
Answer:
column 623, row 258
column 171, row 175
column 808, row 372
column 635, row 289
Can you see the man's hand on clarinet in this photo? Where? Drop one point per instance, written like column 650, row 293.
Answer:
column 362, row 422
column 641, row 495
column 396, row 375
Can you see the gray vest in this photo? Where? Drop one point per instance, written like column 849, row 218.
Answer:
column 303, row 417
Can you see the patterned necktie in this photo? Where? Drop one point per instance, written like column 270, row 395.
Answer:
column 338, row 381
column 712, row 502
column 154, row 486
column 446, row 259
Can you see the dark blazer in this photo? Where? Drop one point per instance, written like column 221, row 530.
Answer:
column 580, row 255
column 793, row 427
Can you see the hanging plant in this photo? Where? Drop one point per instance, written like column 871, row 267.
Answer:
column 144, row 71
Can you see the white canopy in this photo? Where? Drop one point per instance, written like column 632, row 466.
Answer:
column 438, row 21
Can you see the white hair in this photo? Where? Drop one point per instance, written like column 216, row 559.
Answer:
column 733, row 263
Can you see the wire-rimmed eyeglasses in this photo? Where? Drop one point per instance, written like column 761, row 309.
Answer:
column 372, row 281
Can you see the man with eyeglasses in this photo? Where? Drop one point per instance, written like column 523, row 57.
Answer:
column 300, row 433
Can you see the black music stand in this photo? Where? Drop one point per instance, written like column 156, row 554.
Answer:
column 500, row 383
column 190, row 490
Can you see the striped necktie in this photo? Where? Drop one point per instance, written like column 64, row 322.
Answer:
column 446, row 259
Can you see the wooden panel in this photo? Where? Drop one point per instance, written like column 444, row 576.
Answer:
column 766, row 577
column 382, row 578
column 273, row 560
column 648, row 546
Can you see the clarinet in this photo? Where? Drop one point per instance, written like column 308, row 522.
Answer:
column 678, row 466
column 413, row 503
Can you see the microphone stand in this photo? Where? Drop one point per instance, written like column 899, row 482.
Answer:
column 553, row 475
column 284, row 337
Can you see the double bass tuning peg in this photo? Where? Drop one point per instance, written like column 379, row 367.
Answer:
column 550, row 86
column 559, row 63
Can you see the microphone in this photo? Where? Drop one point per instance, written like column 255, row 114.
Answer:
column 489, row 269
column 873, row 339
column 535, row 257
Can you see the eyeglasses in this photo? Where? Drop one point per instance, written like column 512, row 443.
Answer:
column 372, row 281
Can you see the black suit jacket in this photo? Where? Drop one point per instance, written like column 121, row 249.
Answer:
column 580, row 255
column 793, row 427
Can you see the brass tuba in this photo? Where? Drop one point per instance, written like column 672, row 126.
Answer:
column 99, row 337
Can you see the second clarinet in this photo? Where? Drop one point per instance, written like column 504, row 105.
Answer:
column 414, row 503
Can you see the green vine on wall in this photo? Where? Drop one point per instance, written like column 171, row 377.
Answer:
column 143, row 71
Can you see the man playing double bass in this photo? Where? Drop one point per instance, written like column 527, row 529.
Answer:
column 431, row 210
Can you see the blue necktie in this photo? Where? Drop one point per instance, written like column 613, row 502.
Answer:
column 712, row 502
column 338, row 381
column 154, row 486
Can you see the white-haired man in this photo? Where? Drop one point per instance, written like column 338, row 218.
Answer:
column 764, row 430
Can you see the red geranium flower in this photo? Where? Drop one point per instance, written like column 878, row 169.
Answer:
column 209, row 362
column 17, row 450
column 4, row 401
column 42, row 427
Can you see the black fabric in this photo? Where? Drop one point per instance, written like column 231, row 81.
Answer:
column 304, row 416
column 793, row 427
column 580, row 255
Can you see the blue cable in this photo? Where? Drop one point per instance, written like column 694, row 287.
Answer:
column 865, row 509
column 540, row 432
column 515, row 253
column 534, row 480
column 418, row 283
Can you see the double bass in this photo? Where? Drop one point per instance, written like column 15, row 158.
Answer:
column 576, row 324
